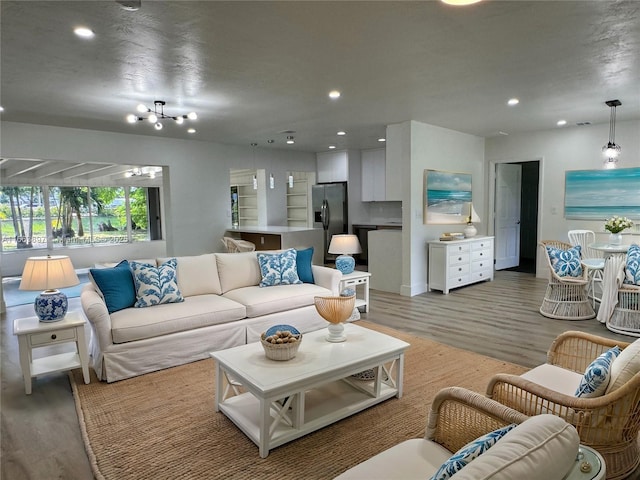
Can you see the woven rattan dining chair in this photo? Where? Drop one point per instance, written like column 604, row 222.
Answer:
column 565, row 297
column 625, row 318
column 591, row 259
column 609, row 423
column 236, row 245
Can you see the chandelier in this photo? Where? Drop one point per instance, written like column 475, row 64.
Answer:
column 611, row 151
column 156, row 115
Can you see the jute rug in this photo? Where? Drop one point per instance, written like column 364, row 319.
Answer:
column 163, row 426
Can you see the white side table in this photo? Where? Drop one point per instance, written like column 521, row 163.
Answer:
column 32, row 333
column 589, row 466
column 355, row 279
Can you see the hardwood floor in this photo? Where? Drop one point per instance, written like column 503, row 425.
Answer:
column 500, row 319
column 40, row 434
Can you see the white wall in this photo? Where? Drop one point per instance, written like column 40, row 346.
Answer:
column 562, row 149
column 432, row 148
column 196, row 188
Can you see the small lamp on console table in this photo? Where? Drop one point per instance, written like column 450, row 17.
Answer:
column 49, row 273
column 345, row 245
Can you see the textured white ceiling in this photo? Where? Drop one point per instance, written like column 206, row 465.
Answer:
column 253, row 70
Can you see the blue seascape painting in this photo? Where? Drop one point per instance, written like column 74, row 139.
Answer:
column 447, row 197
column 600, row 194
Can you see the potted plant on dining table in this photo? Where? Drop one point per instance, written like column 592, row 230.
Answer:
column 615, row 225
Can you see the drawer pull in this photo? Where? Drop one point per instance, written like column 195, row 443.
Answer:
column 54, row 336
column 459, row 269
column 459, row 280
column 481, row 254
column 480, row 275
column 459, row 259
column 481, row 264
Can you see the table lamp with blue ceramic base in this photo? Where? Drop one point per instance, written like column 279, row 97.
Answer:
column 49, row 273
column 344, row 245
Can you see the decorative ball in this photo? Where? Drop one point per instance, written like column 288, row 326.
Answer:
column 347, row 292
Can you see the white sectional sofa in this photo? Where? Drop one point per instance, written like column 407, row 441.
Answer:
column 223, row 307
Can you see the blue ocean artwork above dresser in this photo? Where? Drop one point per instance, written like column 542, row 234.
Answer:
column 447, row 197
column 600, row 194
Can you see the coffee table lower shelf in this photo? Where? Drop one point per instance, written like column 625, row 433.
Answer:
column 321, row 406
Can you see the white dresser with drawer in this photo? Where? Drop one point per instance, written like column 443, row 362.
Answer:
column 457, row 263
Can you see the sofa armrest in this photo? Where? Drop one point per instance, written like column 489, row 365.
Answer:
column 96, row 312
column 327, row 277
column 453, row 407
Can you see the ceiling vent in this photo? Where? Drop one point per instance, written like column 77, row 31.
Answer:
column 583, row 124
column 130, row 5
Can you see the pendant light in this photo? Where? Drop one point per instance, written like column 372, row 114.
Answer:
column 611, row 151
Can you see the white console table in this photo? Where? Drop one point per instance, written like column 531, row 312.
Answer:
column 457, row 263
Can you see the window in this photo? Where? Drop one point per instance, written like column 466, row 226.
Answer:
column 75, row 216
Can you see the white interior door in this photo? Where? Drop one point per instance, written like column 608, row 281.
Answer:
column 507, row 218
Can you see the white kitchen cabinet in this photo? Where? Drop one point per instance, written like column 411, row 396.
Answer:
column 396, row 159
column 333, row 166
column 374, row 175
column 457, row 263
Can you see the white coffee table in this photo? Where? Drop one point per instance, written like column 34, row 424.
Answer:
column 276, row 402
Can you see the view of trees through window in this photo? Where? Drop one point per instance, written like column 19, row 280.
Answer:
column 75, row 216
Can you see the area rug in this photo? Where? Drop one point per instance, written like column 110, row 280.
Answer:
column 163, row 425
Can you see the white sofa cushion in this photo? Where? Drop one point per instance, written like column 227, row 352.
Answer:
column 197, row 274
column 263, row 301
column 414, row 459
column 543, row 447
column 625, row 366
column 554, row 377
column 237, row 270
column 133, row 324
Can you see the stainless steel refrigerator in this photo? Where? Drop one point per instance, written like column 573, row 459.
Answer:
column 330, row 211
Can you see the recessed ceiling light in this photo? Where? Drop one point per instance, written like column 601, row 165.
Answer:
column 561, row 123
column 341, row 132
column 502, row 133
column 513, row 101
column 334, row 94
column 331, row 147
column 290, row 140
column 459, row 3
column 1, row 109
column 382, row 139
column 191, row 130
column 84, row 32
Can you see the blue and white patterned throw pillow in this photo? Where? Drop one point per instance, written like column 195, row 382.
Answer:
column 597, row 375
column 632, row 266
column 156, row 285
column 470, row 451
column 566, row 263
column 278, row 268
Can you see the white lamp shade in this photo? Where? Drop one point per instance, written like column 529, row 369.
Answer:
column 344, row 244
column 48, row 273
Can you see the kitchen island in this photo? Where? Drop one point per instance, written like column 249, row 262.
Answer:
column 281, row 237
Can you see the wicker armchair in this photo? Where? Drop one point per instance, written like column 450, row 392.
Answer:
column 458, row 416
column 625, row 318
column 566, row 297
column 609, row 423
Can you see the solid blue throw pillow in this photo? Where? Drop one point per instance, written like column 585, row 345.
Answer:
column 303, row 261
column 116, row 285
